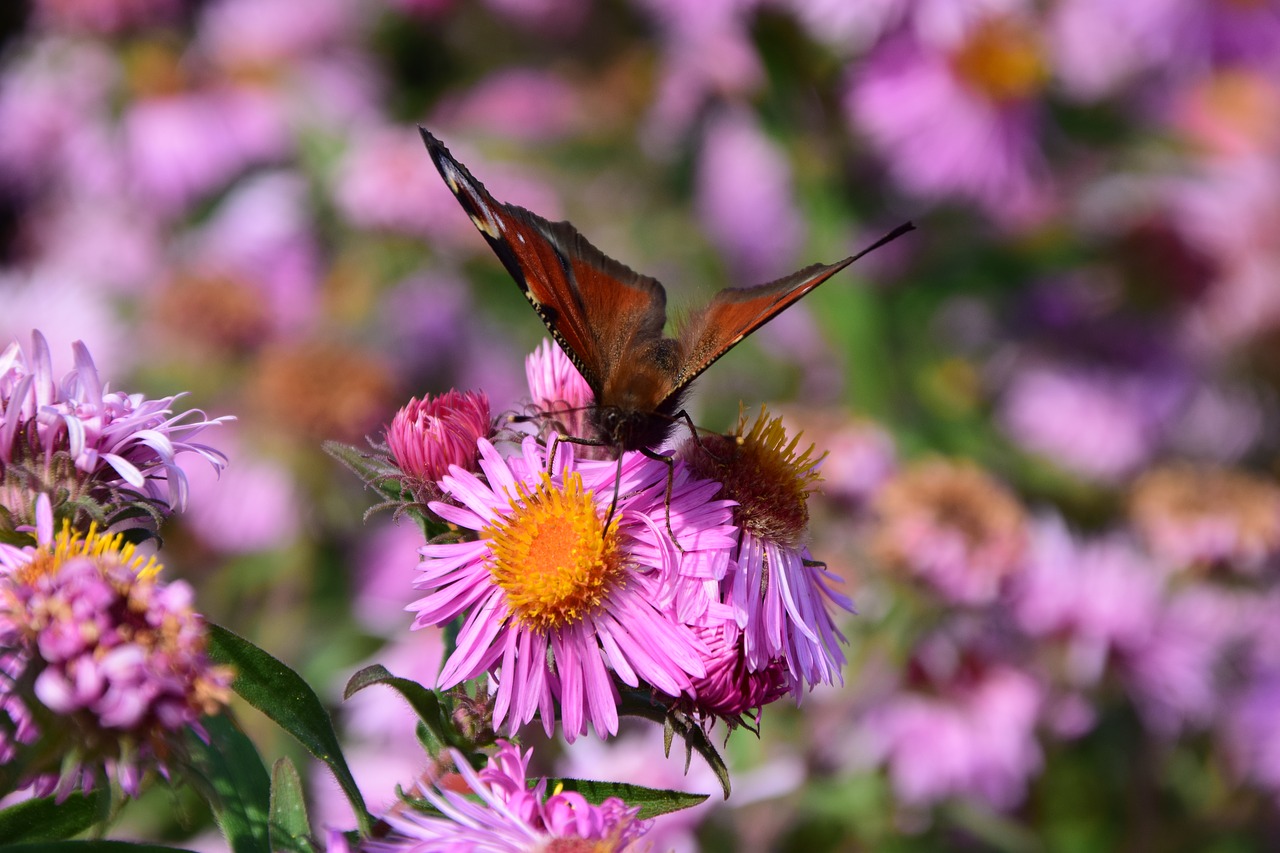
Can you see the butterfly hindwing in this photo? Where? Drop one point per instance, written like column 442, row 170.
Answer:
column 596, row 308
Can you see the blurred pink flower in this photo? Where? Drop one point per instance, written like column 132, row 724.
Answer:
column 253, row 505
column 51, row 94
column 258, row 33
column 952, row 525
column 181, row 147
column 1097, row 598
column 386, row 558
column 960, row 124
column 861, row 457
column 523, row 104
column 386, row 180
column 745, row 198
column 261, row 237
column 1097, row 422
column 1250, row 732
column 104, row 17
column 554, row 17
column 1099, row 45
column 1175, row 676
column 974, row 737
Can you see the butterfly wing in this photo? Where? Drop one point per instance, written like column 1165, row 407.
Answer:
column 596, row 308
column 736, row 312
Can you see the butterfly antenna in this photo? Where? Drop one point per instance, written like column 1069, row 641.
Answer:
column 888, row 238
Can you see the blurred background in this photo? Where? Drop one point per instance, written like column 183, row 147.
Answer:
column 1050, row 411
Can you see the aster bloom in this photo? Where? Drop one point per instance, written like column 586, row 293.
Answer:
column 104, row 449
column 1205, row 516
column 557, row 593
column 953, row 526
column 958, row 119
column 558, row 391
column 972, row 734
column 780, row 597
column 510, row 817
column 429, row 436
column 100, row 657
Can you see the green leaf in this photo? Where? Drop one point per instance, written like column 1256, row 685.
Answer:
column 290, row 828
column 90, row 847
column 652, row 801
column 46, row 820
column 230, row 773
column 637, row 704
column 281, row 694
column 374, row 470
column 424, row 702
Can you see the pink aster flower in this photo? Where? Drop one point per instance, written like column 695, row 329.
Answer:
column 97, row 444
column 973, row 736
column 745, row 198
column 780, row 597
column 510, row 817
column 516, row 103
column 560, row 595
column 1250, row 732
column 117, row 656
column 104, row 16
column 427, row 437
column 959, row 122
column 558, row 391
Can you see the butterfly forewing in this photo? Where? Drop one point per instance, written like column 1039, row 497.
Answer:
column 596, row 308
column 736, row 312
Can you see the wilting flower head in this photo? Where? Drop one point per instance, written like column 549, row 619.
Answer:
column 510, row 817
column 952, row 525
column 731, row 688
column 559, row 393
column 561, row 595
column 103, row 661
column 429, row 436
column 779, row 596
column 1197, row 515
column 100, row 450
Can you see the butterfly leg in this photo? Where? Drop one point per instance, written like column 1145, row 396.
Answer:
column 671, row 478
column 617, row 480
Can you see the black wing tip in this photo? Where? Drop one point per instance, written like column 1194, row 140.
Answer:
column 904, row 228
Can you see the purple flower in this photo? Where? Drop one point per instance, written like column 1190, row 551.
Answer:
column 118, row 656
column 973, row 735
column 104, row 16
column 959, row 124
column 1250, row 732
column 78, row 435
column 953, row 526
column 428, row 437
column 518, row 103
column 510, row 817
column 745, row 199
column 780, row 598
column 1099, row 422
column 559, row 393
column 555, row 576
column 1099, row 598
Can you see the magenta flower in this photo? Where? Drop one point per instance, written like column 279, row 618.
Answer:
column 745, row 198
column 1250, row 732
column 779, row 597
column 519, row 103
column 561, row 598
column 510, row 817
column 427, row 437
column 975, row 736
column 104, row 16
column 78, row 435
column 118, row 657
column 960, row 124
column 953, row 526
column 558, row 392
column 1099, row 598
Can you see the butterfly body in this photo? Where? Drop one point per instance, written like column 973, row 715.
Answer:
column 610, row 320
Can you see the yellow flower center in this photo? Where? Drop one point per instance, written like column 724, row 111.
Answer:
column 1002, row 60
column 69, row 545
column 553, row 556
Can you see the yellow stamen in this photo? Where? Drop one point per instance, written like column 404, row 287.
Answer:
column 69, row 545
column 1002, row 60
column 553, row 555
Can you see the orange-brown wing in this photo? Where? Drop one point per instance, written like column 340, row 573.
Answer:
column 596, row 308
column 736, row 312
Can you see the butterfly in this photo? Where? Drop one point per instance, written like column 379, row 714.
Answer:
column 610, row 319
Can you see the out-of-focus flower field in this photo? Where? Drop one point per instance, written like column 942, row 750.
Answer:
column 1049, row 413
